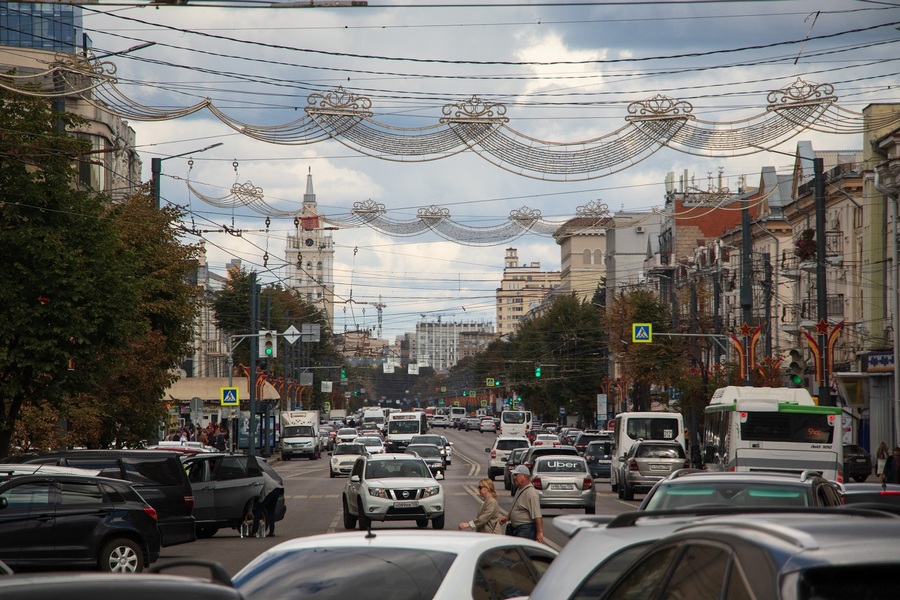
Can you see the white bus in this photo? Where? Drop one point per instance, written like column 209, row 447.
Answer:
column 456, row 414
column 402, row 426
column 772, row 429
column 630, row 427
column 514, row 423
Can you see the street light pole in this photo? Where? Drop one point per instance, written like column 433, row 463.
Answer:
column 156, row 170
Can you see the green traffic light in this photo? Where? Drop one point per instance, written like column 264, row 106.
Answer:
column 796, row 380
column 268, row 351
column 537, row 371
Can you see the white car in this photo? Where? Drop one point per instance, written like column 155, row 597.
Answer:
column 343, row 456
column 546, row 439
column 393, row 487
column 500, row 451
column 373, row 444
column 346, row 434
column 440, row 565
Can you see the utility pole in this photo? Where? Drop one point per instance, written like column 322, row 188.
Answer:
column 821, row 292
column 156, row 170
column 746, row 282
column 254, row 348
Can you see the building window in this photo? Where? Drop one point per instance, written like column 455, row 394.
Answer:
column 598, row 257
column 586, row 257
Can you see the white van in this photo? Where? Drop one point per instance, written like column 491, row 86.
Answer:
column 630, row 427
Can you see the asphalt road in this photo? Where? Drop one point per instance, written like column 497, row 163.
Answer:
column 314, row 504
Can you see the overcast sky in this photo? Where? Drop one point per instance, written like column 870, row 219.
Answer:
column 259, row 66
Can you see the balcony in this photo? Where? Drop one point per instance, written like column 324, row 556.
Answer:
column 805, row 315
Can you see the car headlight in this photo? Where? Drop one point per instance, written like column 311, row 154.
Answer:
column 379, row 493
column 335, row 461
column 443, row 452
column 431, row 491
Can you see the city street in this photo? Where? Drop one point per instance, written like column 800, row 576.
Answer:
column 314, row 504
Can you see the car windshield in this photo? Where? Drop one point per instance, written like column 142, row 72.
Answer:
column 369, row 441
column 298, row 431
column 396, row 468
column 692, row 494
column 347, row 431
column 360, row 572
column 350, row 449
column 599, row 448
column 424, row 450
column 403, row 427
column 427, row 439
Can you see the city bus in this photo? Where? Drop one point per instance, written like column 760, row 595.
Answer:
column 630, row 427
column 514, row 423
column 772, row 429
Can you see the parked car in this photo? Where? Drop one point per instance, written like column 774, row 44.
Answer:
column 52, row 520
column 857, row 463
column 690, row 488
column 795, row 557
column 564, row 482
column 431, row 454
column 393, row 487
column 344, row 456
column 158, row 476
column 499, row 453
column 445, row 565
column 599, row 458
column 226, row 489
column 515, row 458
column 647, row 462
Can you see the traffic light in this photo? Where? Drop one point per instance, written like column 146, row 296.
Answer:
column 465, row 393
column 268, row 344
column 537, row 370
column 343, row 373
column 796, row 368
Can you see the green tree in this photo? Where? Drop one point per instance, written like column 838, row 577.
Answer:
column 67, row 289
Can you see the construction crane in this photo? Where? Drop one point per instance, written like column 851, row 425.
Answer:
column 379, row 306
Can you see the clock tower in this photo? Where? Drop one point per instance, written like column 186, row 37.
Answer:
column 310, row 257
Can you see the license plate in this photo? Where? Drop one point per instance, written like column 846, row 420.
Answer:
column 405, row 504
column 659, row 467
column 560, row 486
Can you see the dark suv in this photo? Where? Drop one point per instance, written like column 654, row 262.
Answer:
column 226, row 489
column 52, row 520
column 157, row 475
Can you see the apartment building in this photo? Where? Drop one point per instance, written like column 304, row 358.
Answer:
column 523, row 287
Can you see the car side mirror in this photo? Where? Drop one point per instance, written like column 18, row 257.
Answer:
column 3, row 503
column 354, row 478
column 439, row 476
column 621, row 459
column 487, row 449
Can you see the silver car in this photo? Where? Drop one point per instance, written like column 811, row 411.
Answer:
column 647, row 462
column 564, row 482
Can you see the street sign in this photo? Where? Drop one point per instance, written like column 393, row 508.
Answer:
column 291, row 334
column 327, row 406
column 472, row 393
column 489, row 382
column 642, row 333
column 484, row 403
column 456, row 403
column 326, row 386
column 443, row 388
column 412, row 368
column 229, row 396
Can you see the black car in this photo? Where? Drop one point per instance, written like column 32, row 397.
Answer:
column 226, row 488
column 157, row 475
column 52, row 520
column 873, row 495
column 431, row 454
column 599, row 458
column 584, row 438
column 857, row 463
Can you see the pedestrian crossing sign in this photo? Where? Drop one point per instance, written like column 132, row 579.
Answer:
column 229, row 396
column 642, row 333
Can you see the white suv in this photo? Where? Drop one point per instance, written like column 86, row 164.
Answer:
column 393, row 487
column 500, row 451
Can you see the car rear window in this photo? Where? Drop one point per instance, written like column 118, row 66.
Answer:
column 560, row 465
column 728, row 494
column 511, row 444
column 164, row 470
column 660, row 451
column 400, row 573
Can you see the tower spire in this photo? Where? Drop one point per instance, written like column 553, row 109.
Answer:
column 309, row 198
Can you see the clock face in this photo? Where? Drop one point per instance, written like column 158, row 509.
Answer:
column 309, row 241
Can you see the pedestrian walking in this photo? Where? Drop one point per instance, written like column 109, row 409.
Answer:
column 881, row 455
column 524, row 518
column 891, row 472
column 488, row 518
column 266, row 503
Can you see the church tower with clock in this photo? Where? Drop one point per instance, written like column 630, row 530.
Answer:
column 310, row 257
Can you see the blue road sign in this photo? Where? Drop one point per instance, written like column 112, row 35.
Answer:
column 229, row 396
column 642, row 333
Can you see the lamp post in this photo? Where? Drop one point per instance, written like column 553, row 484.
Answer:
column 156, row 170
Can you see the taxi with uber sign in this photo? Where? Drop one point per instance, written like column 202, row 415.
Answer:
column 564, row 482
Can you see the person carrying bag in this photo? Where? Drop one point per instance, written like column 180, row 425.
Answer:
column 525, row 518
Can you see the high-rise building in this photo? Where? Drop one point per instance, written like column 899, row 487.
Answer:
column 51, row 27
column 438, row 344
column 522, row 288
column 310, row 257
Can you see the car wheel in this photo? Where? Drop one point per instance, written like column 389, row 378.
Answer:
column 365, row 522
column 121, row 556
column 285, row 457
column 421, row 523
column 859, row 478
column 313, row 456
column 438, row 522
column 331, row 473
column 628, row 493
column 349, row 520
column 506, row 484
column 206, row 531
column 620, row 491
column 590, row 510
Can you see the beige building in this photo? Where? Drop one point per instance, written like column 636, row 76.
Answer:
column 522, row 288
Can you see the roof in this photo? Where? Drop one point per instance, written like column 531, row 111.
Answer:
column 210, row 389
